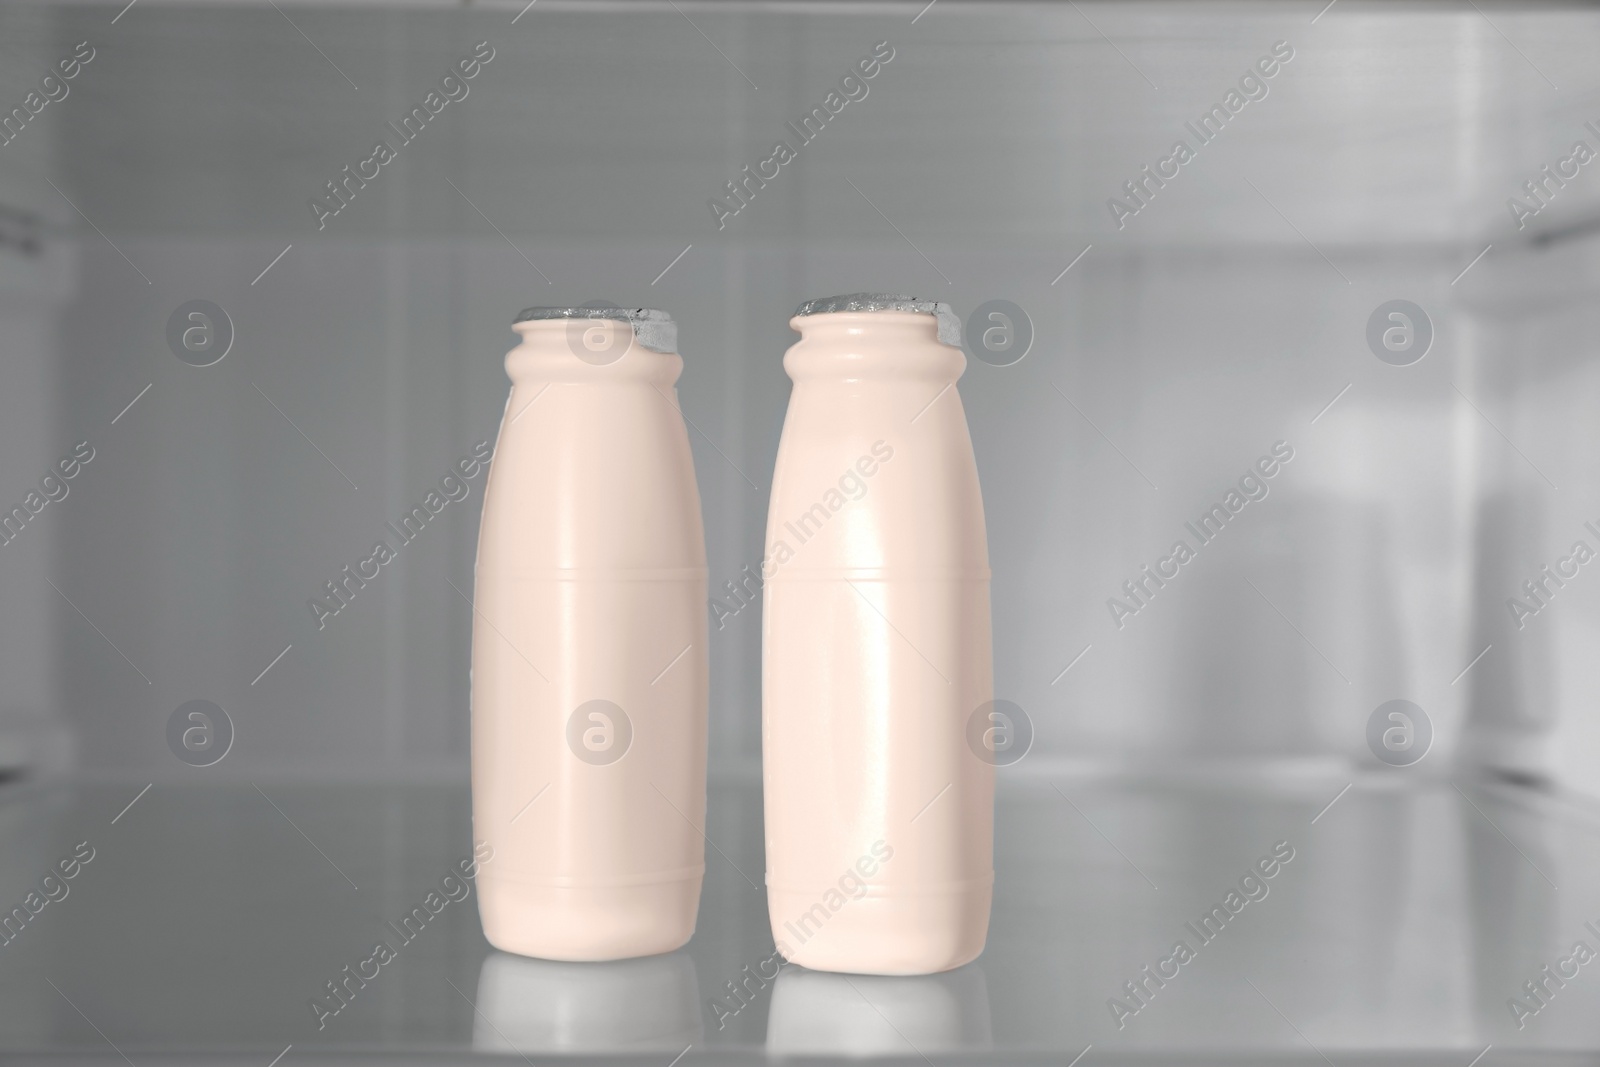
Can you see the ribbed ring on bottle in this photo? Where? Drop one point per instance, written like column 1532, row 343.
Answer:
column 654, row 329
column 949, row 324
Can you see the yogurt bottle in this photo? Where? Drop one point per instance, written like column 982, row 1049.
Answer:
column 876, row 657
column 589, row 646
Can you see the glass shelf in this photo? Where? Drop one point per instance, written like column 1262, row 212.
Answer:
column 1406, row 916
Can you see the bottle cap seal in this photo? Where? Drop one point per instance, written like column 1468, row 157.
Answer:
column 949, row 324
column 654, row 329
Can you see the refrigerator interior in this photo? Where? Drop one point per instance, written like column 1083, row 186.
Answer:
column 1181, row 315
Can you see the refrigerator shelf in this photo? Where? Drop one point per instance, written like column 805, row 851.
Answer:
column 1398, row 923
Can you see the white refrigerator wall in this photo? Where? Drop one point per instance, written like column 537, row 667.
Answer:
column 1227, row 315
column 228, row 496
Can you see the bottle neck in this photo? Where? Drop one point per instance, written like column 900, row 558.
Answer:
column 889, row 345
column 597, row 350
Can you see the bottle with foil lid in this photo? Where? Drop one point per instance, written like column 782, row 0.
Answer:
column 589, row 646
column 876, row 648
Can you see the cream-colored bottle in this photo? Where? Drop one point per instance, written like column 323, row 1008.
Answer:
column 589, row 646
column 876, row 649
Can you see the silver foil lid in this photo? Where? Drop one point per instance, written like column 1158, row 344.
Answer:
column 949, row 325
column 654, row 329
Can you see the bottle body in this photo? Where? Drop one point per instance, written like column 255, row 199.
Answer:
column 876, row 655
column 589, row 658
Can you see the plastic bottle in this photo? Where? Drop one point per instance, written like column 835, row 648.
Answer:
column 589, row 646
column 876, row 649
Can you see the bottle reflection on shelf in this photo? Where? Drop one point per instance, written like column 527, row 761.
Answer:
column 547, row 1006
column 818, row 1013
